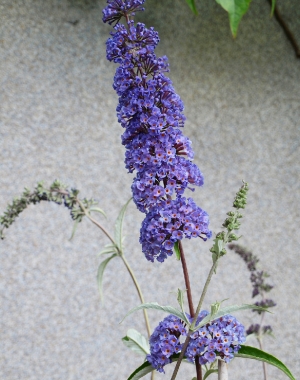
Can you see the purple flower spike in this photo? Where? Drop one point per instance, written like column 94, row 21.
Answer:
column 151, row 114
column 116, row 9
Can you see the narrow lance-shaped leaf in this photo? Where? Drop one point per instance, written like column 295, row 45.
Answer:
column 209, row 372
column 101, row 269
column 136, row 342
column 146, row 368
column 97, row 209
column 177, row 250
column 249, row 352
column 180, row 299
column 156, row 306
column 109, row 248
column 192, row 5
column 273, row 7
column 141, row 371
column 236, row 10
column 74, row 228
column 227, row 310
column 119, row 225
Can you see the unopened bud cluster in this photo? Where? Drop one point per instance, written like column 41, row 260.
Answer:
column 57, row 193
column 231, row 223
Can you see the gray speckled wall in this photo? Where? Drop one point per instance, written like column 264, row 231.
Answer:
column 57, row 107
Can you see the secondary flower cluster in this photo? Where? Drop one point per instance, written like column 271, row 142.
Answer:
column 165, row 225
column 151, row 113
column 218, row 339
column 165, row 342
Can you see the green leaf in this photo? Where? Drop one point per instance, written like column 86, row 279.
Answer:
column 141, row 371
column 180, row 299
column 227, row 310
column 136, row 342
column 192, row 5
column 101, row 269
column 209, row 372
column 273, row 7
column 177, row 250
column 236, row 10
column 119, row 226
column 215, row 307
column 146, row 368
column 249, row 352
column 97, row 209
column 74, row 228
column 156, row 306
column 109, row 248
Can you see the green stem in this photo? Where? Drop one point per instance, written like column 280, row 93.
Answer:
column 263, row 363
column 95, row 222
column 139, row 292
column 136, row 284
column 124, row 261
column 259, row 339
column 211, row 272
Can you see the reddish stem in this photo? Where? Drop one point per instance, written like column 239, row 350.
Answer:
column 190, row 301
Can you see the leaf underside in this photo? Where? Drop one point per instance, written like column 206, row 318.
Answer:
column 136, row 342
column 156, row 306
column 100, row 273
column 119, row 226
column 227, row 310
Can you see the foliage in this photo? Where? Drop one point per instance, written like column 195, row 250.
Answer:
column 236, row 10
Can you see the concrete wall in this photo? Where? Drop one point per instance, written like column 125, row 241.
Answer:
column 57, row 107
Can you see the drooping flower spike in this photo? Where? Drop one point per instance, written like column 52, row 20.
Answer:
column 150, row 112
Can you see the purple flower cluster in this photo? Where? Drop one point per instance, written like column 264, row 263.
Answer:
column 219, row 339
column 172, row 221
column 150, row 112
column 164, row 342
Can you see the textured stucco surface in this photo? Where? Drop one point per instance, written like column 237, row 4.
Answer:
column 57, row 120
